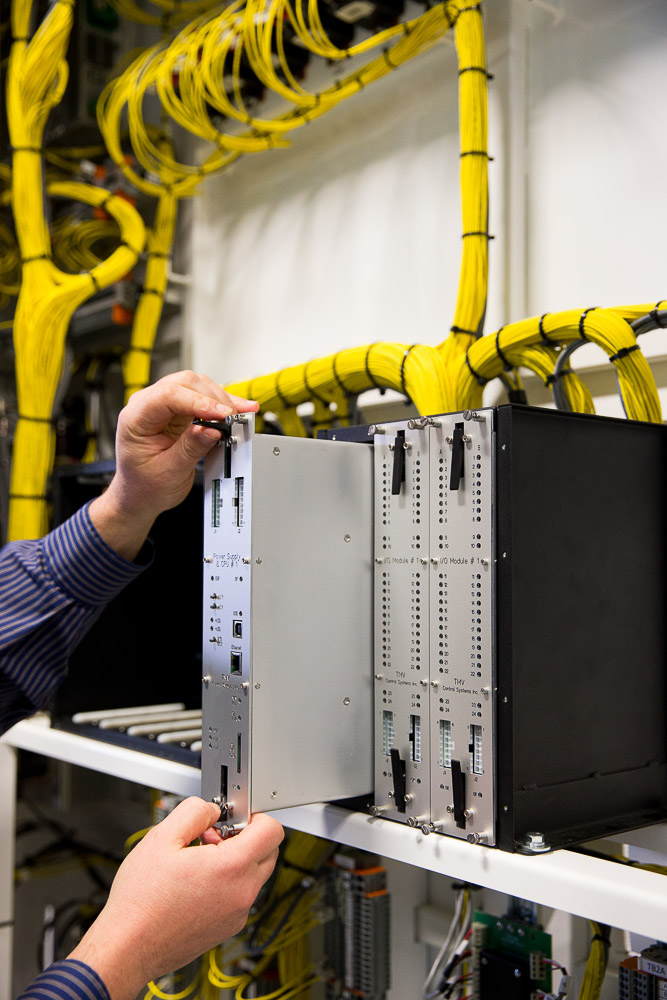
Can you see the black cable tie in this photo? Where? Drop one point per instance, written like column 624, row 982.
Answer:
column 158, row 253
column 19, row 38
column 152, row 291
column 447, row 17
column 475, row 232
column 581, row 321
column 385, row 53
column 27, row 149
column 279, row 394
column 407, row 30
column 139, row 350
column 337, row 84
column 135, row 385
column 405, row 358
column 623, row 353
column 545, row 339
column 550, row 379
column 359, row 80
column 103, row 204
column 36, row 420
column 462, row 329
column 476, row 69
column 371, row 377
column 124, row 243
column 479, row 378
column 476, row 152
column 655, row 315
column 40, row 256
column 338, row 379
column 506, row 365
column 309, row 390
column 600, row 937
column 94, row 280
column 28, row 496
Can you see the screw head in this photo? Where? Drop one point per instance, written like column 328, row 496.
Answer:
column 257, row 686
column 346, row 701
column 274, row 795
column 276, row 450
column 347, row 538
column 534, row 842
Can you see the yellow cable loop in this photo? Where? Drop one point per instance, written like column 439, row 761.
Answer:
column 604, row 327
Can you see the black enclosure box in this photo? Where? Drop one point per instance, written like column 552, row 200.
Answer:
column 579, row 622
column 145, row 647
column 581, row 544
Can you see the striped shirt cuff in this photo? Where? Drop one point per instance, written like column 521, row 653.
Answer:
column 67, row 980
column 82, row 563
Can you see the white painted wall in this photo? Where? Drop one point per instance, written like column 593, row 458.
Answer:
column 353, row 234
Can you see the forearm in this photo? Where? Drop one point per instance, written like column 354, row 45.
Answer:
column 51, row 590
column 69, row 978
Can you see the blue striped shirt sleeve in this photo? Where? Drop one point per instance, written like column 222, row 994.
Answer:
column 67, row 980
column 51, row 591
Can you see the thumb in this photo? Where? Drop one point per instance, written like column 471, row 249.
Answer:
column 189, row 448
column 189, row 820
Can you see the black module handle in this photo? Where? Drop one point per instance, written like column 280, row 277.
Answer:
column 458, row 453
column 459, row 794
column 398, row 471
column 398, row 777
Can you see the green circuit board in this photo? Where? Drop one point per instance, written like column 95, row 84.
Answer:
column 515, row 939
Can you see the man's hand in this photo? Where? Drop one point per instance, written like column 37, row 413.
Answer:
column 169, row 903
column 157, row 449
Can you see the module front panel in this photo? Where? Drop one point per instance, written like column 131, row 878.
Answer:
column 226, row 656
column 287, row 623
column 461, row 616
column 402, row 768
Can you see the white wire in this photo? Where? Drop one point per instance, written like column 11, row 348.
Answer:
column 456, row 931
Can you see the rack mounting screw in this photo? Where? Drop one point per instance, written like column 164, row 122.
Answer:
column 208, row 559
column 375, row 429
column 473, row 415
column 534, row 843
column 448, row 439
column 276, row 451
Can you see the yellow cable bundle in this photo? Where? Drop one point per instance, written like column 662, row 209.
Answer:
column 596, row 966
column 137, row 360
column 604, row 327
column 473, row 130
column 416, row 370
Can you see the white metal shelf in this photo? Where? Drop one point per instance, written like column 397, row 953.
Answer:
column 589, row 887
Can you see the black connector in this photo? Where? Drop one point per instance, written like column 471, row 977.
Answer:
column 235, row 663
column 398, row 778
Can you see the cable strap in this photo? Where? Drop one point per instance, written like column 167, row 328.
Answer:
column 462, row 329
column 550, row 379
column 371, row 377
column 338, row 379
column 477, row 233
column 479, row 378
column 476, row 152
column 139, row 350
column 390, row 64
column 623, row 353
column 476, row 69
column 545, row 340
column 310, row 391
column 28, row 496
column 36, row 420
column 94, row 280
column 506, row 365
column 405, row 358
column 581, row 321
column 39, row 256
column 279, row 394
column 152, row 291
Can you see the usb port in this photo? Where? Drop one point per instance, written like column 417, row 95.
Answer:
column 237, row 629
column 235, row 663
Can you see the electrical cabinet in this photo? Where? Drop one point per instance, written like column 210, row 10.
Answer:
column 517, row 563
